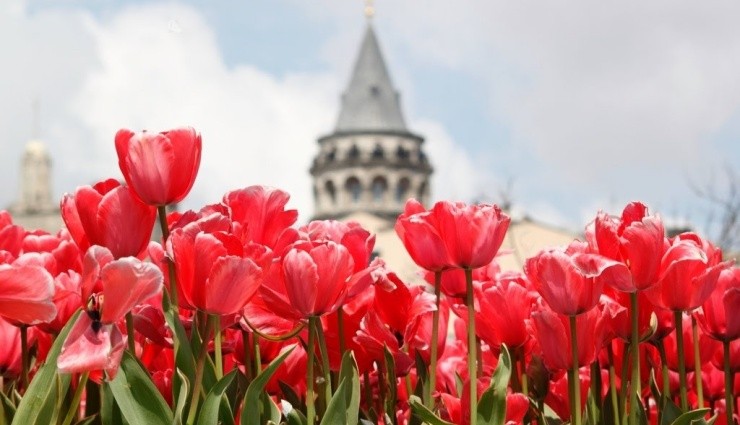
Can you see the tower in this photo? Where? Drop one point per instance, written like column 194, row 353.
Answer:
column 371, row 162
column 36, row 207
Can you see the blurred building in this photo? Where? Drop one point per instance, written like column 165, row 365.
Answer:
column 36, row 207
column 371, row 163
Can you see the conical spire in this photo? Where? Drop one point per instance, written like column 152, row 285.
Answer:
column 370, row 102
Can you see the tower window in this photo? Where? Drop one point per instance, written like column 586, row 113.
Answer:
column 379, row 188
column 354, row 189
column 402, row 154
column 331, row 191
column 378, row 152
column 402, row 190
column 375, row 90
column 354, row 153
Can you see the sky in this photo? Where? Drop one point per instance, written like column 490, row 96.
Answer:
column 567, row 108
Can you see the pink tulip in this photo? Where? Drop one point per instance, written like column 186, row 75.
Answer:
column 160, row 167
column 26, row 294
column 116, row 287
column 420, row 234
column 109, row 215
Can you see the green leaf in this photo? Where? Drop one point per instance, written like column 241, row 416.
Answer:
column 336, row 410
column 249, row 414
column 182, row 398
column 390, row 370
column 670, row 412
column 110, row 413
column 7, row 409
column 423, row 413
column 688, row 417
column 348, row 372
column 88, row 420
column 209, row 410
column 290, row 396
column 492, row 404
column 38, row 405
column 295, row 417
column 184, row 358
column 138, row 398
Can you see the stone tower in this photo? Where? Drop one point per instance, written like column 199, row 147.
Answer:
column 36, row 207
column 371, row 162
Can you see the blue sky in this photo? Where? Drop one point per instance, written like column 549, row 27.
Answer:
column 581, row 106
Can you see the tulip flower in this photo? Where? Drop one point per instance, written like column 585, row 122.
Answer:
column 554, row 337
column 258, row 214
column 115, row 287
column 472, row 234
column 505, row 308
column 214, row 272
column 109, row 215
column 686, row 278
column 718, row 315
column 10, row 355
column 636, row 239
column 419, row 231
column 160, row 168
column 572, row 280
column 11, row 235
column 26, row 294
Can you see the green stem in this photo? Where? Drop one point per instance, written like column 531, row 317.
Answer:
column 524, row 379
column 576, row 386
column 257, row 355
column 217, row 346
column 324, row 361
column 247, row 355
column 697, row 363
column 162, row 212
column 310, row 393
column 677, row 317
column 623, row 384
column 635, row 389
column 194, row 398
column 729, row 378
column 613, row 384
column 130, row 331
column 74, row 408
column 664, row 370
column 596, row 381
column 340, row 330
column 472, row 355
column 428, row 399
column 25, row 357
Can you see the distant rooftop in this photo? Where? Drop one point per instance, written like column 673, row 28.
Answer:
column 370, row 102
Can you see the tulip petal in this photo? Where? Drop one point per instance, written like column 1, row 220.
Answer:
column 26, row 294
column 126, row 283
column 232, row 283
column 86, row 349
column 301, row 281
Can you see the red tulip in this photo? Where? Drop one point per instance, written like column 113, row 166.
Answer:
column 472, row 234
column 11, row 235
column 258, row 214
column 420, row 234
column 66, row 299
column 553, row 334
column 718, row 315
column 620, row 313
column 707, row 347
column 571, row 280
column 637, row 240
column 160, row 168
column 116, row 286
column 109, row 215
column 375, row 338
column 688, row 275
column 215, row 273
column 10, row 354
column 26, row 293
column 505, row 307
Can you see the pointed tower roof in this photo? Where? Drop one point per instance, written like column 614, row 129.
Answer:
column 370, row 102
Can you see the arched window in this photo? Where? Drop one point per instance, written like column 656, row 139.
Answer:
column 402, row 189
column 423, row 191
column 331, row 191
column 354, row 189
column 402, row 154
column 380, row 185
column 378, row 152
column 354, row 153
column 331, row 155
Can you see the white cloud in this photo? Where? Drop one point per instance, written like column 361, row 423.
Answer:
column 159, row 66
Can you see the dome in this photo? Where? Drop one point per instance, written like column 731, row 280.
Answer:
column 36, row 148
